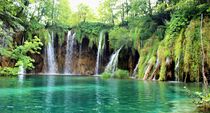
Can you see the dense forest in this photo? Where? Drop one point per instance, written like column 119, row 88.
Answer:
column 166, row 34
column 165, row 40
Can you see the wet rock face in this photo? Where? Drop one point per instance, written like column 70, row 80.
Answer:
column 17, row 40
column 128, row 60
column 84, row 62
column 84, row 59
column 170, row 66
column 6, row 62
column 39, row 63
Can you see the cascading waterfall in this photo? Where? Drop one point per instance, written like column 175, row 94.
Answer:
column 112, row 65
column 135, row 69
column 99, row 53
column 156, row 66
column 69, row 53
column 51, row 62
column 21, row 73
column 177, row 71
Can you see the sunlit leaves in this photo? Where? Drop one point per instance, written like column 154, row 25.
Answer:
column 19, row 54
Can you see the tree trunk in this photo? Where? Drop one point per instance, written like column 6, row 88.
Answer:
column 205, row 81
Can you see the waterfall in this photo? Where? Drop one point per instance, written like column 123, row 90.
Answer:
column 51, row 62
column 177, row 71
column 21, row 73
column 112, row 65
column 69, row 53
column 156, row 68
column 21, row 70
column 99, row 53
column 136, row 69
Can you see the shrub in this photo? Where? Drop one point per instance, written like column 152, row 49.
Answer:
column 121, row 74
column 106, row 75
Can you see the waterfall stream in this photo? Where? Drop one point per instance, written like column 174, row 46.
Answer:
column 99, row 54
column 177, row 70
column 51, row 62
column 112, row 65
column 136, row 69
column 69, row 53
column 21, row 73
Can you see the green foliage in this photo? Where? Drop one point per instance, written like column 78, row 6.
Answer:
column 163, row 71
column 201, row 99
column 161, row 7
column 178, row 46
column 120, row 36
column 118, row 74
column 148, row 55
column 84, row 12
column 206, row 39
column 19, row 53
column 121, row 74
column 9, row 71
column 140, row 7
column 160, row 32
column 146, row 25
column 177, row 23
column 168, row 29
column 204, row 102
column 105, row 11
column 90, row 30
column 64, row 12
column 192, row 50
column 152, row 60
column 106, row 75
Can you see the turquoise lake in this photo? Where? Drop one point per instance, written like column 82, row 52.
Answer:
column 79, row 94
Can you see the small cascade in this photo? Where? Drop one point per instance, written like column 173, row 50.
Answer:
column 21, row 73
column 156, row 68
column 69, row 53
column 177, row 71
column 168, row 60
column 112, row 65
column 100, row 48
column 51, row 62
column 136, row 69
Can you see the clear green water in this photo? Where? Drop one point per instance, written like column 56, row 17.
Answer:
column 70, row 94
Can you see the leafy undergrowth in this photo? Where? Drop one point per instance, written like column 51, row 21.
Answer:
column 118, row 74
column 204, row 102
column 201, row 99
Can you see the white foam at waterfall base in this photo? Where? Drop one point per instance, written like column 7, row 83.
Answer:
column 21, row 73
column 69, row 53
column 51, row 62
column 112, row 65
column 99, row 53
